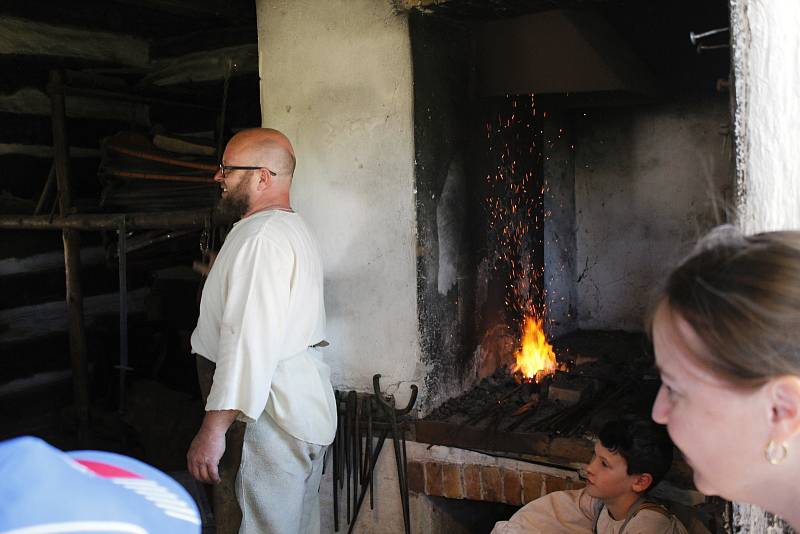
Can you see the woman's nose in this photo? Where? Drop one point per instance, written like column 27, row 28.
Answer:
column 660, row 413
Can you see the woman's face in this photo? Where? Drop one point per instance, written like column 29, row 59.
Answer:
column 720, row 430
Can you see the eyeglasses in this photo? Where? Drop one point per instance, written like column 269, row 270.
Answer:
column 227, row 168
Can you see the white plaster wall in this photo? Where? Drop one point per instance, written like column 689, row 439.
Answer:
column 645, row 183
column 767, row 63
column 336, row 78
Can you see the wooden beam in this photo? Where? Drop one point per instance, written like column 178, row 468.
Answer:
column 37, row 130
column 44, row 151
column 33, row 101
column 28, row 38
column 172, row 220
column 569, row 452
column 408, row 5
column 72, row 259
column 204, row 66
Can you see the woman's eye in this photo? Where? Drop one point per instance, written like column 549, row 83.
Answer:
column 671, row 393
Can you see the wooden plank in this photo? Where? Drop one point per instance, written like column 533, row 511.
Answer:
column 39, row 288
column 204, row 66
column 407, row 5
column 27, row 323
column 30, row 38
column 33, row 101
column 541, row 444
column 108, row 221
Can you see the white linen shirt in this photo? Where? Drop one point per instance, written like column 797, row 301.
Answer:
column 261, row 311
column 573, row 512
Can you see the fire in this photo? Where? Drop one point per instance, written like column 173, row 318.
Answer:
column 535, row 359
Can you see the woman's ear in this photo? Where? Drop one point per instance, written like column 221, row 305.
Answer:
column 783, row 395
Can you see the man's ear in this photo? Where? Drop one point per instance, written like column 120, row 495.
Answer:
column 783, row 395
column 264, row 179
column 641, row 482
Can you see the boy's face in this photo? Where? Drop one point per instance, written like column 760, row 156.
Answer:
column 607, row 475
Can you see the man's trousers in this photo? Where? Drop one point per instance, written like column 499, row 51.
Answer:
column 278, row 482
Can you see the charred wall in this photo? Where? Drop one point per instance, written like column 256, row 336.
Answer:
column 480, row 226
column 441, row 54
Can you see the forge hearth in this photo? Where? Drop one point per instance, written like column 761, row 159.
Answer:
column 610, row 374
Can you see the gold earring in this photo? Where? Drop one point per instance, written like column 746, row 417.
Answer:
column 776, row 453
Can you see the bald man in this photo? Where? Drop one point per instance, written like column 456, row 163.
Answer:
column 261, row 318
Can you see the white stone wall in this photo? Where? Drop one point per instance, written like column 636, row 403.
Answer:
column 646, row 183
column 336, row 78
column 767, row 64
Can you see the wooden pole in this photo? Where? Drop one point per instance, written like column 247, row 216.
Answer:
column 72, row 259
column 122, row 256
column 173, row 220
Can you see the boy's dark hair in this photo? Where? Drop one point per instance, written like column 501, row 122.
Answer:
column 643, row 444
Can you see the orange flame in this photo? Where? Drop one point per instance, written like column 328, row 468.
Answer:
column 535, row 359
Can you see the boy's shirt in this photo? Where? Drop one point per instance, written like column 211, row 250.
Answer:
column 573, row 512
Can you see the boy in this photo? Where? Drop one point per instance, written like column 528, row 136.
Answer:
column 630, row 457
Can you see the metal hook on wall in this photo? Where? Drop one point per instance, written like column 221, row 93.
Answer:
column 695, row 37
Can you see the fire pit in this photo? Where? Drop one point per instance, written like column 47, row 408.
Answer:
column 551, row 412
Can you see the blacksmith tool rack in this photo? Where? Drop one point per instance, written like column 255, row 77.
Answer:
column 354, row 452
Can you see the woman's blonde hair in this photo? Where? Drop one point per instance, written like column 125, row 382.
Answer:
column 741, row 295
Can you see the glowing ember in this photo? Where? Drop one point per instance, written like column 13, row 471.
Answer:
column 535, row 359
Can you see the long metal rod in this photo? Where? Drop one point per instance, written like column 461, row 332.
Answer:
column 158, row 176
column 149, row 156
column 72, row 258
column 46, row 190
column 107, row 221
column 122, row 254
column 375, row 454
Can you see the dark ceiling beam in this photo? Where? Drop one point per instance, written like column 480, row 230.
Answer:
column 231, row 11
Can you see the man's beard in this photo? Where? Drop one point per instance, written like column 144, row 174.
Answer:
column 233, row 206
